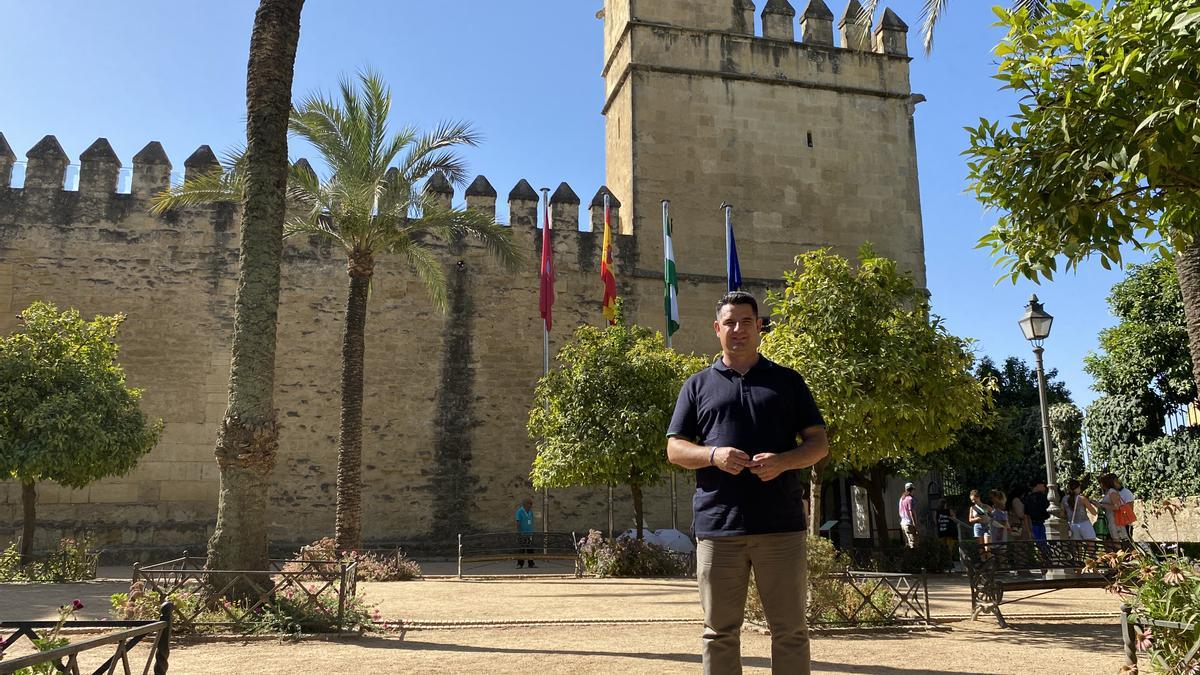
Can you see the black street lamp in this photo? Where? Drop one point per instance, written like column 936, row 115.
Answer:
column 1035, row 324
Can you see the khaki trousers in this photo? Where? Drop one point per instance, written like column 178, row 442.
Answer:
column 723, row 567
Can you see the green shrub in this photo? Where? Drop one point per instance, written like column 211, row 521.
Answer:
column 74, row 560
column 627, row 557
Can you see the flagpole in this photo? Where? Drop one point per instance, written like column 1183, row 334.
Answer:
column 728, row 241
column 545, row 358
column 666, row 211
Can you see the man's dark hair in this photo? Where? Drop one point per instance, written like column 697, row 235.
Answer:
column 1040, row 481
column 737, row 298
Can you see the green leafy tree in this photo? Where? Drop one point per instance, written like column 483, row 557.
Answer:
column 888, row 377
column 1066, row 441
column 600, row 417
column 1104, row 149
column 371, row 205
column 65, row 413
column 1007, row 451
column 1143, row 373
column 1147, row 351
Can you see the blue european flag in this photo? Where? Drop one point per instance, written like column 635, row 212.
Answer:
column 732, row 270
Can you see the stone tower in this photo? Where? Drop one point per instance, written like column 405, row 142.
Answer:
column 811, row 141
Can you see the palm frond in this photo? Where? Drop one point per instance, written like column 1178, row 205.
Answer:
column 428, row 269
column 867, row 13
column 210, row 188
column 320, row 226
column 1036, row 8
column 932, row 12
column 431, row 152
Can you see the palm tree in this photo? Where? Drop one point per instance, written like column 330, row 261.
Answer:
column 371, row 204
column 933, row 10
column 247, row 441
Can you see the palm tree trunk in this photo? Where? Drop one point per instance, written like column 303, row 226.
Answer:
column 248, row 438
column 1187, row 264
column 348, row 528
column 28, row 518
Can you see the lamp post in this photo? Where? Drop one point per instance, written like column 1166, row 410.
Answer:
column 1035, row 324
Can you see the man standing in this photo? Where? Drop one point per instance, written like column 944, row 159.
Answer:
column 908, row 522
column 525, row 528
column 1037, row 510
column 748, row 426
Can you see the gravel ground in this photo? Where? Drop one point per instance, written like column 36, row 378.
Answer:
column 629, row 626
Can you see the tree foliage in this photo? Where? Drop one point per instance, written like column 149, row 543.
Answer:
column 1105, row 147
column 888, row 377
column 1143, row 374
column 600, row 416
column 1066, row 440
column 1006, row 451
column 1148, row 348
column 65, row 413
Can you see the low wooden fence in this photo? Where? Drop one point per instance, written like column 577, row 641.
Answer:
column 1129, row 639
column 235, row 598
column 66, row 659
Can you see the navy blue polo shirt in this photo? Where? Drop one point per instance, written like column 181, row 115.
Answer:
column 762, row 411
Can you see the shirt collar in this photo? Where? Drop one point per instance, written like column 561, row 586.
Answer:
column 762, row 363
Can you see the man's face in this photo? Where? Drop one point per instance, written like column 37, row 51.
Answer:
column 1040, row 487
column 737, row 328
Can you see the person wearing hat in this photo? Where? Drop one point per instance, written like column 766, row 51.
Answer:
column 908, row 521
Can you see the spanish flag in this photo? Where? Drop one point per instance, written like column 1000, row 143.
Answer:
column 606, row 267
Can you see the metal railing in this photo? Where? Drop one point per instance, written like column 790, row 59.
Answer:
column 236, row 598
column 494, row 546
column 872, row 598
column 65, row 659
column 1129, row 640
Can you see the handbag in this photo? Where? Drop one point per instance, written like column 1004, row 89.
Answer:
column 1124, row 514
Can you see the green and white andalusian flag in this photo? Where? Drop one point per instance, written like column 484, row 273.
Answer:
column 670, row 279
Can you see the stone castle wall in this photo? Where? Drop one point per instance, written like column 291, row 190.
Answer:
column 811, row 142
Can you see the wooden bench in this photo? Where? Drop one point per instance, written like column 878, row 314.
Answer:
column 500, row 546
column 1027, row 565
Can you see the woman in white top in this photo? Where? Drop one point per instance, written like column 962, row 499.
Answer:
column 1077, row 507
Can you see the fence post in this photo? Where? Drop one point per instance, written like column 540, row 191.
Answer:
column 460, row 555
column 342, row 600
column 1128, row 638
column 925, row 583
column 162, row 648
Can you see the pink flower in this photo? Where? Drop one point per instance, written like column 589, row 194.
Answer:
column 76, row 604
column 1144, row 640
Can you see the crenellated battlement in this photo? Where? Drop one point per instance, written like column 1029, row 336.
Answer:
column 692, row 37
column 44, row 196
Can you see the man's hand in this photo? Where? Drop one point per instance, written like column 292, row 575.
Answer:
column 768, row 465
column 730, row 460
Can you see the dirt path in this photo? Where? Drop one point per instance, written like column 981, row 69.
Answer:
column 629, row 642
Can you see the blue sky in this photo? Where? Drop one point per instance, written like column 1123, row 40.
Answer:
column 527, row 73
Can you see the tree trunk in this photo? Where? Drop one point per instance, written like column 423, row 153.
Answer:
column 814, row 496
column 248, row 438
column 638, row 512
column 874, row 484
column 28, row 518
column 348, row 528
column 1187, row 264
